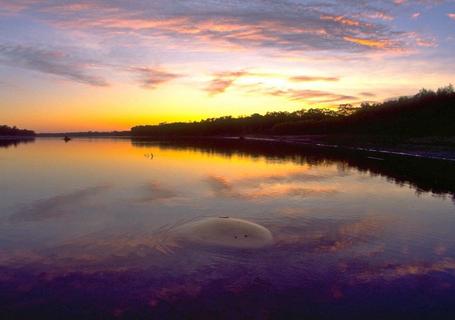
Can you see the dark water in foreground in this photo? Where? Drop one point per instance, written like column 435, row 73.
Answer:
column 87, row 232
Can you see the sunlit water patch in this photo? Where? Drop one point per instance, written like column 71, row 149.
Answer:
column 112, row 228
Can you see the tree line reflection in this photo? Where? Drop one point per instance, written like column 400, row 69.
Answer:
column 423, row 175
column 14, row 142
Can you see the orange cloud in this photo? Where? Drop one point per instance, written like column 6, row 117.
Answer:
column 312, row 78
column 373, row 43
column 342, row 20
column 222, row 81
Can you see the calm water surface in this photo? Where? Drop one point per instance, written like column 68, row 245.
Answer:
column 87, row 232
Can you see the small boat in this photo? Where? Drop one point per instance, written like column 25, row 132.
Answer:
column 66, row 138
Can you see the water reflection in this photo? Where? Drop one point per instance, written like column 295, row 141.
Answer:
column 13, row 142
column 436, row 176
column 223, row 188
column 154, row 191
column 56, row 206
column 95, row 226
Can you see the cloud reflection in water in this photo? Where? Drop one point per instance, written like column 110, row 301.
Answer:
column 57, row 206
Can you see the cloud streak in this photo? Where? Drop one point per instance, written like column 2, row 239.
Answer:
column 150, row 78
column 222, row 81
column 313, row 78
column 54, row 62
column 319, row 95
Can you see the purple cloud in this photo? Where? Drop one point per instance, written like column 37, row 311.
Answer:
column 150, row 78
column 54, row 62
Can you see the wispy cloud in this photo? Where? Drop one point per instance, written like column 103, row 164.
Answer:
column 312, row 78
column 223, row 80
column 367, row 94
column 451, row 16
column 372, row 42
column 379, row 15
column 422, row 41
column 11, row 7
column 150, row 78
column 54, row 62
column 318, row 95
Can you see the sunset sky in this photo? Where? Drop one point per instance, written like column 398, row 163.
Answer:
column 109, row 65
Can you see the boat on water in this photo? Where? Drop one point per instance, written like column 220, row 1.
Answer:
column 66, row 138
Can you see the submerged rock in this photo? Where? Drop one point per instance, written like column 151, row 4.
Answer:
column 226, row 232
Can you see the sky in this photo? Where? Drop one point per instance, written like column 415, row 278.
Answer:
column 110, row 64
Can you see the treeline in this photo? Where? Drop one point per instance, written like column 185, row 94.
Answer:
column 13, row 131
column 426, row 113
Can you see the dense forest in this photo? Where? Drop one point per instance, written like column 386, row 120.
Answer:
column 13, row 131
column 428, row 113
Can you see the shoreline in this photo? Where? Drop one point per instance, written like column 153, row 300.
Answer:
column 415, row 150
column 435, row 148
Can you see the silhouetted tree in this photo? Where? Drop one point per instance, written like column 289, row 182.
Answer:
column 14, row 131
column 426, row 113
